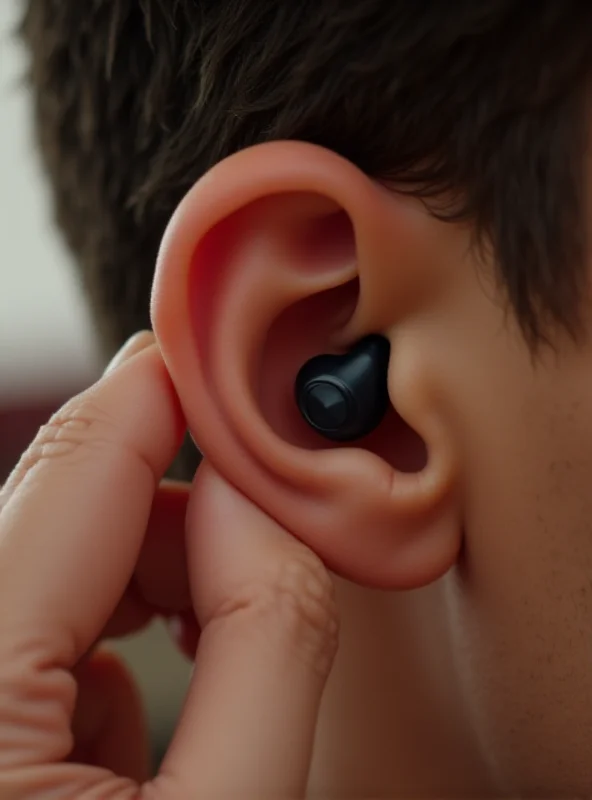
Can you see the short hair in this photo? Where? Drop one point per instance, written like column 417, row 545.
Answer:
column 484, row 103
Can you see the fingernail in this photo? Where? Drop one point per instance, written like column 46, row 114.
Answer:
column 138, row 342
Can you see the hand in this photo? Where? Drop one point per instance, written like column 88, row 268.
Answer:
column 76, row 517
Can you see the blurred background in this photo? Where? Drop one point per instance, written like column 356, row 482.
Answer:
column 47, row 347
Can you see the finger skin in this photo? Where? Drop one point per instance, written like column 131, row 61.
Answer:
column 264, row 604
column 160, row 585
column 73, row 525
column 73, row 518
column 109, row 723
column 268, row 619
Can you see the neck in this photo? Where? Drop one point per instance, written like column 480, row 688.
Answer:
column 392, row 723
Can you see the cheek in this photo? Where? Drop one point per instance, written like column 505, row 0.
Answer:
column 520, row 601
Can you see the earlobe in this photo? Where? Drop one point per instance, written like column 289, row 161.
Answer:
column 283, row 252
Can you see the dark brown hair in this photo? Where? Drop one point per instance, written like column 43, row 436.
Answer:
column 484, row 101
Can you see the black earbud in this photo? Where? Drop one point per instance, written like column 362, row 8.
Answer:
column 346, row 397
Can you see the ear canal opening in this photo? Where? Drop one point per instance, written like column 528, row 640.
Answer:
column 397, row 443
column 305, row 330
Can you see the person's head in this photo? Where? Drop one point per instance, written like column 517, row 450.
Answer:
column 445, row 203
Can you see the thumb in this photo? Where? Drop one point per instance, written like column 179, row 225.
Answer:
column 266, row 608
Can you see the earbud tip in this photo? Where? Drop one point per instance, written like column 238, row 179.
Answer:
column 344, row 397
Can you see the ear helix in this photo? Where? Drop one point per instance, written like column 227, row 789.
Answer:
column 345, row 397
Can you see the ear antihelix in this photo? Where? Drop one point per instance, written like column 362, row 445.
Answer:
column 258, row 295
column 370, row 495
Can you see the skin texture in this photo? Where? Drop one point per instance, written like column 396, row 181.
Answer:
column 87, row 492
column 459, row 530
column 464, row 662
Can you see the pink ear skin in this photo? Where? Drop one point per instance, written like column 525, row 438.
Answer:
column 279, row 253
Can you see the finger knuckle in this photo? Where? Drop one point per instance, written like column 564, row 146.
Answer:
column 77, row 427
column 79, row 430
column 296, row 601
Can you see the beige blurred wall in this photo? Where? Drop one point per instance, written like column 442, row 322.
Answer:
column 46, row 339
column 45, row 335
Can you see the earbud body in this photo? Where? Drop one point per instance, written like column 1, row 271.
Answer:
column 345, row 397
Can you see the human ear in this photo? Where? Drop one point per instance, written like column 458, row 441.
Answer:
column 280, row 253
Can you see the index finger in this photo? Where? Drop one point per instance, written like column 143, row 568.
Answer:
column 75, row 510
